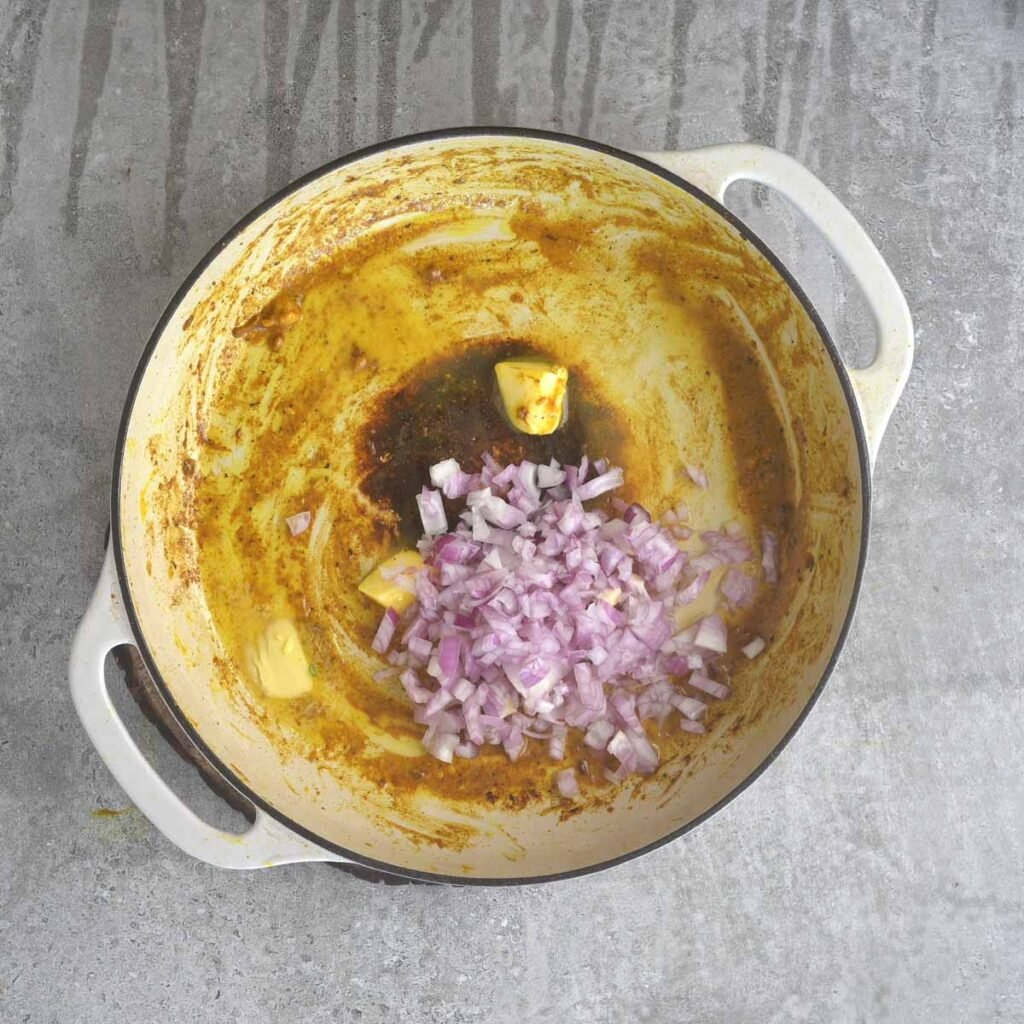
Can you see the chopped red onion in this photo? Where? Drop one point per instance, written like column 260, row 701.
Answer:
column 514, row 743
column 599, row 734
column 692, row 592
column 385, row 631
column 537, row 614
column 498, row 512
column 770, row 556
column 441, row 744
column 556, row 745
column 754, row 648
column 600, row 485
column 452, row 481
column 620, row 747
column 636, row 514
column 459, row 550
column 688, row 706
column 550, row 476
column 443, row 471
column 463, row 690
column 699, row 681
column 646, row 755
column 686, row 725
column 440, row 700
column 738, row 588
column 568, row 786
column 432, row 512
column 410, row 681
column 697, row 475
column 725, row 548
column 449, row 651
column 299, row 523
column 711, row 634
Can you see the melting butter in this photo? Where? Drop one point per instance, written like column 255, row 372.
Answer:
column 533, row 393
column 279, row 662
column 390, row 583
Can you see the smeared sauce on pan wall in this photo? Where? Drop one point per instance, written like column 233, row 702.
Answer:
column 338, row 396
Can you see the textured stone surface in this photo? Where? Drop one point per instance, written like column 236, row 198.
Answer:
column 876, row 872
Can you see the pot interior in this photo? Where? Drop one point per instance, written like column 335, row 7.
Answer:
column 334, row 347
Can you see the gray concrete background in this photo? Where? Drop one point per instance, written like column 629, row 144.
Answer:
column 875, row 873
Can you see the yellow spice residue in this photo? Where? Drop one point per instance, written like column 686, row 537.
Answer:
column 390, row 368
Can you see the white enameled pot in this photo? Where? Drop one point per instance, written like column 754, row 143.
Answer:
column 838, row 417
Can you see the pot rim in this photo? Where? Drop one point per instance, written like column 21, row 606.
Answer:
column 481, row 132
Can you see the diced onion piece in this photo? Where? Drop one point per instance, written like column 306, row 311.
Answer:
column 441, row 744
column 299, row 523
column 636, row 514
column 449, row 651
column 699, row 681
column 556, row 744
column 410, row 682
column 711, row 635
column 385, row 631
column 600, row 485
column 692, row 592
column 689, row 706
column 432, row 512
column 754, row 648
column 646, row 755
column 463, row 690
column 770, row 556
column 599, row 734
column 568, row 786
column 549, row 476
column 442, row 472
column 450, row 478
column 697, row 475
column 738, row 588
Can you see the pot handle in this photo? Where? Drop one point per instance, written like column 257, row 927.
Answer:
column 878, row 386
column 104, row 627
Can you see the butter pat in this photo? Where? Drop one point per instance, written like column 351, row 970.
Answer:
column 533, row 394
column 279, row 662
column 389, row 583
